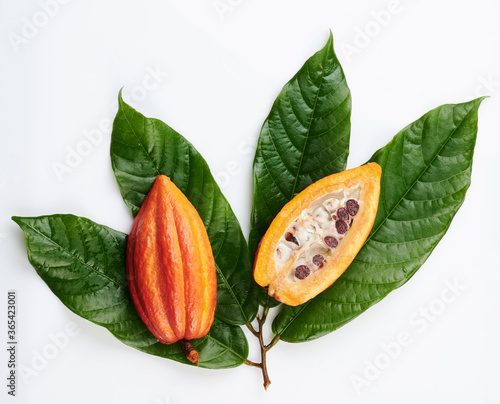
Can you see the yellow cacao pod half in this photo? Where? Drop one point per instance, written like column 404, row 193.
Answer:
column 316, row 235
column 170, row 268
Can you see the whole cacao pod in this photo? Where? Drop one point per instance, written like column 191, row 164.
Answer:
column 170, row 268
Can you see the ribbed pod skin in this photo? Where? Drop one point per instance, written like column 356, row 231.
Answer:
column 170, row 266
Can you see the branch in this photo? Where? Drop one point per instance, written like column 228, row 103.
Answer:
column 263, row 347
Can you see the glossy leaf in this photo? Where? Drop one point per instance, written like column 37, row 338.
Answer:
column 426, row 172
column 304, row 138
column 143, row 148
column 83, row 263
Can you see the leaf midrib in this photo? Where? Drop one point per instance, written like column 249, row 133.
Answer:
column 140, row 144
column 74, row 256
column 232, row 293
column 225, row 346
column 308, row 129
column 420, row 176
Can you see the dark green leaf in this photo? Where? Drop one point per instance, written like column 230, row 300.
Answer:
column 143, row 148
column 83, row 263
column 304, row 138
column 426, row 172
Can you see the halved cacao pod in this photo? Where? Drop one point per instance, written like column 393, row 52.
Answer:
column 171, row 269
column 316, row 235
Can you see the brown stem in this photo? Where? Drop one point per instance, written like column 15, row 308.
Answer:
column 252, row 330
column 250, row 363
column 273, row 342
column 263, row 347
column 189, row 352
column 263, row 351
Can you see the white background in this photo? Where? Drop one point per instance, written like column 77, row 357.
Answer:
column 224, row 71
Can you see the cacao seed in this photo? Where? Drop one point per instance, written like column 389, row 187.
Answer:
column 331, row 241
column 291, row 238
column 341, row 226
column 318, row 260
column 302, row 272
column 352, row 207
column 342, row 214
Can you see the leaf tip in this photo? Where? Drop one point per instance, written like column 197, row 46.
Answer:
column 120, row 97
column 479, row 100
column 17, row 219
column 122, row 104
column 475, row 103
column 329, row 42
column 330, row 36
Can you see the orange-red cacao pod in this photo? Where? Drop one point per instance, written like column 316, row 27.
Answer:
column 170, row 268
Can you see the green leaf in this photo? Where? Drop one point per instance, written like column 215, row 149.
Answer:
column 83, row 263
column 304, row 138
column 143, row 148
column 426, row 172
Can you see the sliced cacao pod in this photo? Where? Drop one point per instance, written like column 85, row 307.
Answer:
column 171, row 269
column 316, row 235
